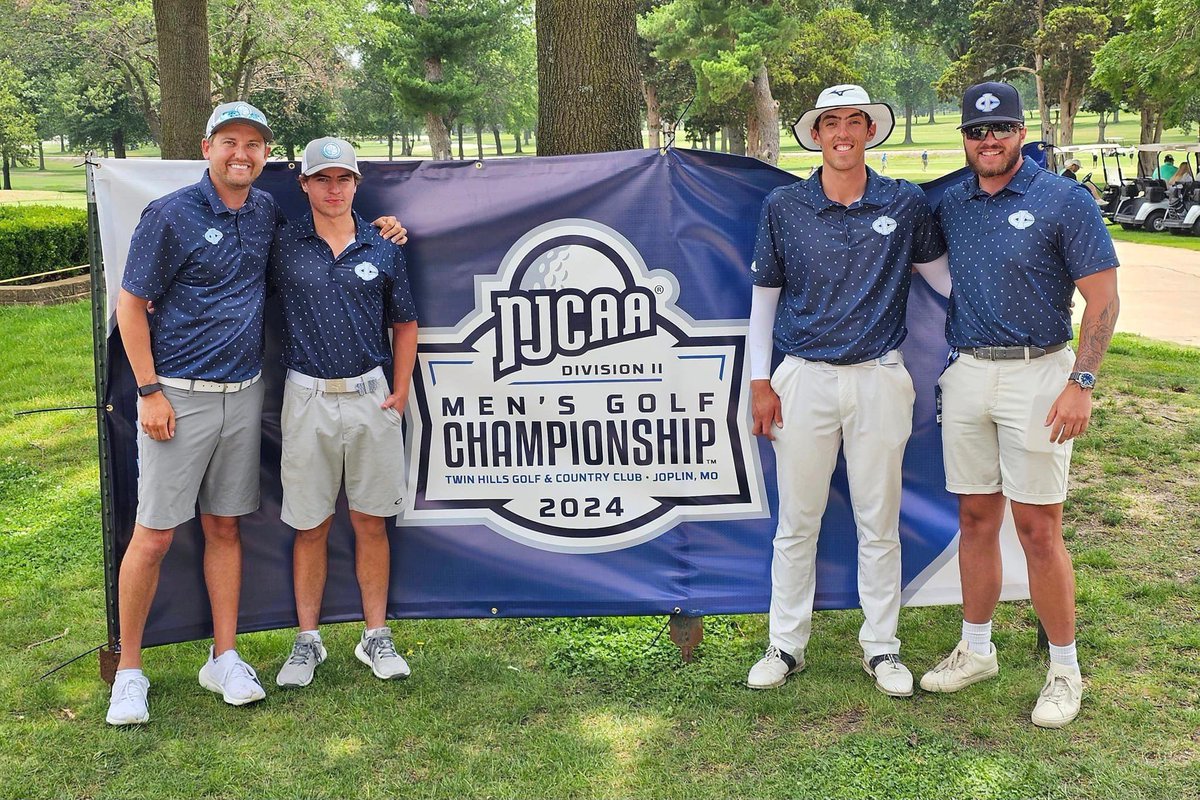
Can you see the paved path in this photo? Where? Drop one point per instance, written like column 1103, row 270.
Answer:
column 1160, row 292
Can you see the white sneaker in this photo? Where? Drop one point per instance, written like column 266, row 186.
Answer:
column 773, row 668
column 128, row 704
column 232, row 678
column 960, row 669
column 1059, row 701
column 891, row 677
column 307, row 653
column 377, row 651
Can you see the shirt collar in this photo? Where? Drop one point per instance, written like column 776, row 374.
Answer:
column 1017, row 184
column 879, row 192
column 307, row 229
column 218, row 205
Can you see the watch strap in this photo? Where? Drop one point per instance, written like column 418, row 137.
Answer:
column 149, row 389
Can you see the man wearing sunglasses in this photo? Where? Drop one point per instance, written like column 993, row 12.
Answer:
column 831, row 272
column 1014, row 396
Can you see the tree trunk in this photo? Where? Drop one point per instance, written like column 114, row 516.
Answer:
column 291, row 151
column 737, row 139
column 1101, row 125
column 7, row 175
column 932, row 108
column 461, row 156
column 41, row 156
column 908, row 118
column 184, row 75
column 1116, row 116
column 653, row 115
column 496, row 136
column 1069, row 96
column 517, row 143
column 479, row 142
column 391, row 140
column 118, row 143
column 766, row 111
column 1150, row 131
column 439, row 135
column 528, row 134
column 588, row 77
column 62, row 143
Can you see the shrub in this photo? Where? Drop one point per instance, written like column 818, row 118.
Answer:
column 37, row 239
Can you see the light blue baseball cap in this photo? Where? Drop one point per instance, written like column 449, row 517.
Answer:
column 238, row 111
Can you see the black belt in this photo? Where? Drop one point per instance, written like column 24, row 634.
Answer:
column 1006, row 353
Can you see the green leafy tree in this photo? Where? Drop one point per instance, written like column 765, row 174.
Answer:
column 98, row 111
column 1052, row 40
column 18, row 127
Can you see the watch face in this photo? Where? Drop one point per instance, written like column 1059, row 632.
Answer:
column 1085, row 379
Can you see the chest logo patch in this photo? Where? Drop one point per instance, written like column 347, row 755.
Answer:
column 987, row 102
column 366, row 270
column 754, row 266
column 1020, row 219
column 212, row 236
column 883, row 225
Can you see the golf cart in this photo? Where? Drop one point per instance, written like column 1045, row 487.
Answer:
column 1114, row 179
column 1183, row 199
column 1143, row 201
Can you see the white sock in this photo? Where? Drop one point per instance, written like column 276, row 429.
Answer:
column 126, row 674
column 978, row 636
column 315, row 634
column 1064, row 656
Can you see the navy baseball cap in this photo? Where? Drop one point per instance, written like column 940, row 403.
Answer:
column 991, row 102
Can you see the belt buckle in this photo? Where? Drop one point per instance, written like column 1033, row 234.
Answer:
column 335, row 385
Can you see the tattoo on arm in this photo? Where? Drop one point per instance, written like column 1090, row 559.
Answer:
column 1094, row 337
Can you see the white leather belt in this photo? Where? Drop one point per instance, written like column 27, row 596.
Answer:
column 208, row 386
column 361, row 384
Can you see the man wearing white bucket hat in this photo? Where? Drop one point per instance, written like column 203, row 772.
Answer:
column 831, row 272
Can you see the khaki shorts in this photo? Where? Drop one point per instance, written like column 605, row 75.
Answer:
column 994, row 436
column 212, row 459
column 328, row 436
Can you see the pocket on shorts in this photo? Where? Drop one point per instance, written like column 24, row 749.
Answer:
column 1037, row 433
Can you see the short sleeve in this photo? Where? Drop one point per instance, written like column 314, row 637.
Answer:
column 401, row 307
column 155, row 256
column 766, row 269
column 1086, row 244
column 928, row 243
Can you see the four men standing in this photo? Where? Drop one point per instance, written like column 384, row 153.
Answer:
column 831, row 273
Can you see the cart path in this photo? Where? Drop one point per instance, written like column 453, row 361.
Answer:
column 1160, row 292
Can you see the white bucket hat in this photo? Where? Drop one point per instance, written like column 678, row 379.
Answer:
column 846, row 95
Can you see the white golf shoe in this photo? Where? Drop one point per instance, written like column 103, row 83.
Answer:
column 960, row 669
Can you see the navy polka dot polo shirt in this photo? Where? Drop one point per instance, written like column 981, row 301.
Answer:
column 204, row 267
column 1015, row 257
column 338, row 311
column 845, row 270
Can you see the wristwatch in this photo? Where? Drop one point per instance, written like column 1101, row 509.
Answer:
column 1086, row 380
column 149, row 388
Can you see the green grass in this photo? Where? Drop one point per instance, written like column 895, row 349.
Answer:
column 1187, row 242
column 600, row 708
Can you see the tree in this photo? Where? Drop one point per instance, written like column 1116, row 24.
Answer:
column 97, row 110
column 588, row 83
column 731, row 47
column 18, row 128
column 1052, row 40
column 181, row 27
column 945, row 24
column 1153, row 67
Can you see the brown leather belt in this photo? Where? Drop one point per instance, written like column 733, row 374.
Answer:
column 1007, row 353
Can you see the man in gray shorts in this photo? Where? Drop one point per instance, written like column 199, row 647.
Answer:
column 200, row 255
column 341, row 285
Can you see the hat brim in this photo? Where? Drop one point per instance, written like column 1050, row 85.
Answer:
column 315, row 168
column 993, row 118
column 263, row 129
column 880, row 113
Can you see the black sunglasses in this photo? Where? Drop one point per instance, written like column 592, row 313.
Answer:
column 1001, row 130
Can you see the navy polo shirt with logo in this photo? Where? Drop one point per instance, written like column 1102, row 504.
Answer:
column 338, row 311
column 1015, row 257
column 204, row 267
column 845, row 270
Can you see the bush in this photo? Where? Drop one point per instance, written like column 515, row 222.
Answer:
column 37, row 239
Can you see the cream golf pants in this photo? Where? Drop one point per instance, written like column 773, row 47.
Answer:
column 867, row 409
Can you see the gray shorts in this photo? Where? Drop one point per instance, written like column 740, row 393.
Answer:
column 212, row 459
column 328, row 436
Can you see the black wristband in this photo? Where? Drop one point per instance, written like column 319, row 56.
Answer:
column 149, row 388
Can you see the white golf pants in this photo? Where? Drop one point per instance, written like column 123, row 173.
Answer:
column 867, row 409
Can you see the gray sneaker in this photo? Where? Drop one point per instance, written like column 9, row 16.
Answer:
column 377, row 651
column 307, row 653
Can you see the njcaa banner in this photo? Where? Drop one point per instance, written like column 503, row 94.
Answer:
column 578, row 431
